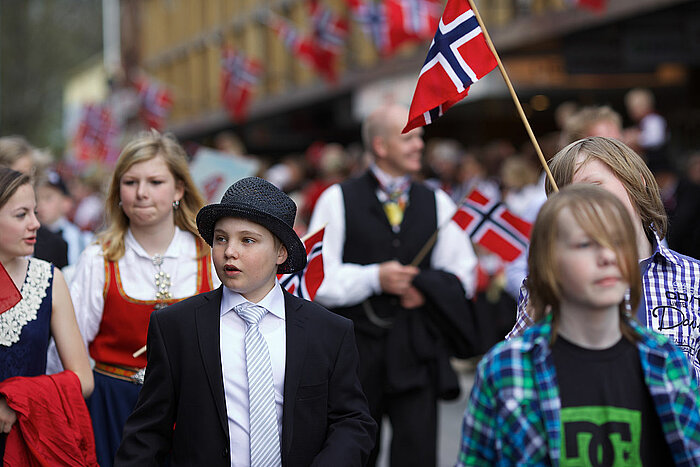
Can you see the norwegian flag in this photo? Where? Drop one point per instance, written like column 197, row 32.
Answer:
column 305, row 284
column 489, row 224
column 156, row 101
column 419, row 18
column 9, row 295
column 373, row 19
column 97, row 138
column 239, row 75
column 597, row 6
column 305, row 48
column 391, row 23
column 329, row 30
column 458, row 57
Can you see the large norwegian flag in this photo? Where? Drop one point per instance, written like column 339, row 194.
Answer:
column 97, row 137
column 489, row 224
column 305, row 284
column 239, row 75
column 156, row 101
column 392, row 23
column 458, row 57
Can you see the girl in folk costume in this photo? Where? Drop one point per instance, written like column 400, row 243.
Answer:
column 44, row 311
column 586, row 384
column 149, row 256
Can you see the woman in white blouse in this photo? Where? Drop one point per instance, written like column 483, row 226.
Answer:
column 149, row 256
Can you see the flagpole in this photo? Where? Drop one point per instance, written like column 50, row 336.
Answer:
column 524, row 119
column 433, row 238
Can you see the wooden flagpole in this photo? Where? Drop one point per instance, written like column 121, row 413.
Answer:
column 524, row 119
column 433, row 238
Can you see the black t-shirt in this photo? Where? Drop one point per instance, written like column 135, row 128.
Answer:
column 608, row 417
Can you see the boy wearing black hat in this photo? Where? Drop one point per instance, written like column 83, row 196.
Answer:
column 248, row 374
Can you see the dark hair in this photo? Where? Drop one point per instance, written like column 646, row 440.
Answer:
column 10, row 181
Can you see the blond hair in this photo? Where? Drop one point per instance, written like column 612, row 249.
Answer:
column 579, row 124
column 146, row 146
column 627, row 166
column 606, row 221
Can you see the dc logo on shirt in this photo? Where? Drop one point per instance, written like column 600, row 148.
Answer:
column 600, row 436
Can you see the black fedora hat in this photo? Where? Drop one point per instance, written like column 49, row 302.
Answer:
column 259, row 201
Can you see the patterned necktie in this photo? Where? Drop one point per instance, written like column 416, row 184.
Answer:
column 394, row 198
column 264, row 433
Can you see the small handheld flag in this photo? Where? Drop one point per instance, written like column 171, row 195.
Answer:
column 458, row 57
column 490, row 224
column 305, row 283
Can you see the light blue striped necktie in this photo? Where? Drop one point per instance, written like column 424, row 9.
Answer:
column 264, row 432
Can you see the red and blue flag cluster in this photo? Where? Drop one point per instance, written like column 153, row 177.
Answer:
column 97, row 138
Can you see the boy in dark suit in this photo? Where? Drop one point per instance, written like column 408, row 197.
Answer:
column 248, row 374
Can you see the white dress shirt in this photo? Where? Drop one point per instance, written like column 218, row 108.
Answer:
column 137, row 272
column 233, row 365
column 348, row 284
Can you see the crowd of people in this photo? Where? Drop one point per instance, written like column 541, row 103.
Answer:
column 128, row 282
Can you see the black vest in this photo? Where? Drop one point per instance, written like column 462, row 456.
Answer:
column 369, row 238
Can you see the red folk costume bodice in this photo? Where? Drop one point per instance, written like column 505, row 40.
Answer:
column 124, row 324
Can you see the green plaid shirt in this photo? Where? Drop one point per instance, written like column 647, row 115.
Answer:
column 513, row 412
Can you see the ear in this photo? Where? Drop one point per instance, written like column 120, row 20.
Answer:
column 179, row 190
column 282, row 254
column 379, row 146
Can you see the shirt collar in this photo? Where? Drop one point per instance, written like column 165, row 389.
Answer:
column 657, row 247
column 60, row 223
column 272, row 302
column 386, row 180
column 175, row 250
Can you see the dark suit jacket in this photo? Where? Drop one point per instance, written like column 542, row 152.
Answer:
column 182, row 409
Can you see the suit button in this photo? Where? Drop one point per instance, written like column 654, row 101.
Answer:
column 224, row 453
column 396, row 243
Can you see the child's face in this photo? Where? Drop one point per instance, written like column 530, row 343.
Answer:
column 597, row 173
column 246, row 256
column 51, row 204
column 18, row 224
column 589, row 276
column 147, row 192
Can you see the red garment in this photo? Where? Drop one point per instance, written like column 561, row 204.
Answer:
column 118, row 338
column 53, row 424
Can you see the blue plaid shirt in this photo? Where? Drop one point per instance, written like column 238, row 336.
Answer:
column 671, row 300
column 513, row 412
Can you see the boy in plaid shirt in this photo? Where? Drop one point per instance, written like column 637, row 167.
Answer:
column 585, row 384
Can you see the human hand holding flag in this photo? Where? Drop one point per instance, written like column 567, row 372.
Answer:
column 458, row 57
column 9, row 294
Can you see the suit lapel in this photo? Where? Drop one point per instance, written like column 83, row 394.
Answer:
column 207, row 318
column 295, row 320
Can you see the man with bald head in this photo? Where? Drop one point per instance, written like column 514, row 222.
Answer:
column 376, row 224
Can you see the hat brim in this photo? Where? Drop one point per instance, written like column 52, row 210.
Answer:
column 296, row 253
